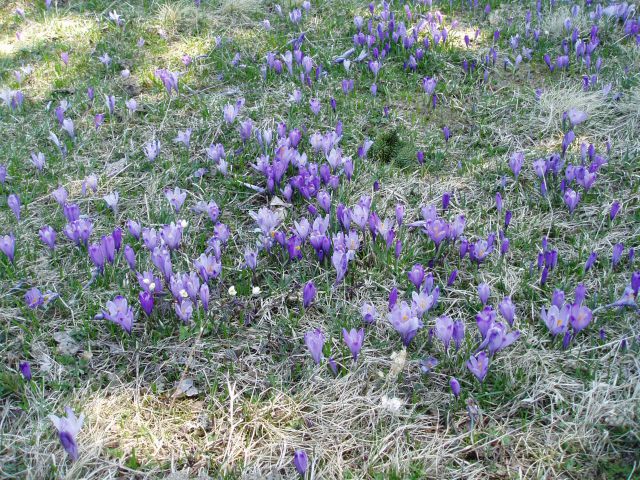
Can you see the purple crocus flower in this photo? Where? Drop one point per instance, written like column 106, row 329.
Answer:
column 25, row 370
column 452, row 278
column 458, row 333
column 479, row 365
column 314, row 340
column 580, row 317
column 556, row 318
column 405, row 322
column 119, row 312
column 8, row 246
column 571, row 199
column 308, row 294
column 615, row 208
column 301, row 462
column 48, row 236
column 507, row 309
column 251, row 258
column 516, row 161
column 184, row 310
column 68, row 428
column 176, row 198
column 151, row 149
column 368, row 312
column 483, row 292
column 590, row 261
column 446, row 133
column 616, row 254
column 354, row 339
column 416, row 275
column 444, row 330
column 33, row 298
column 455, row 386
column 13, row 201
column 112, row 200
column 146, row 302
column 183, row 137
column 340, row 261
column 130, row 256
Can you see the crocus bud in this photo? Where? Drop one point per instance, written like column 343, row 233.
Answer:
column 301, row 462
column 308, row 294
column 393, row 298
column 455, row 386
column 25, row 370
column 146, row 302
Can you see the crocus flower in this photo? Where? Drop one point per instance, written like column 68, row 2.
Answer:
column 184, row 137
column 119, row 312
column 130, row 256
column 369, row 313
column 308, row 294
column 576, row 116
column 146, row 302
column 8, row 246
column 455, row 386
column 340, row 261
column 68, row 428
column 301, row 462
column 580, row 317
column 616, row 255
column 314, row 340
column 354, row 339
column 37, row 160
column 33, row 298
column 151, row 149
column 479, row 365
column 176, row 198
column 444, row 330
column 25, row 370
column 184, row 310
column 416, row 275
column 515, row 163
column 405, row 322
column 483, row 292
column 507, row 309
column 48, row 236
column 458, row 333
column 251, row 258
column 571, row 199
column 112, row 200
column 13, row 201
column 615, row 208
column 556, row 318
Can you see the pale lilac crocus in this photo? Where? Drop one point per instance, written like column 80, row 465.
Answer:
column 314, row 341
column 483, row 293
column 151, row 149
column 507, row 309
column 176, row 198
column 405, row 322
column 48, row 236
column 111, row 200
column 444, row 330
column 556, row 318
column 354, row 339
column 68, row 428
column 13, row 201
column 368, row 312
column 119, row 312
column 8, row 246
column 479, row 365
